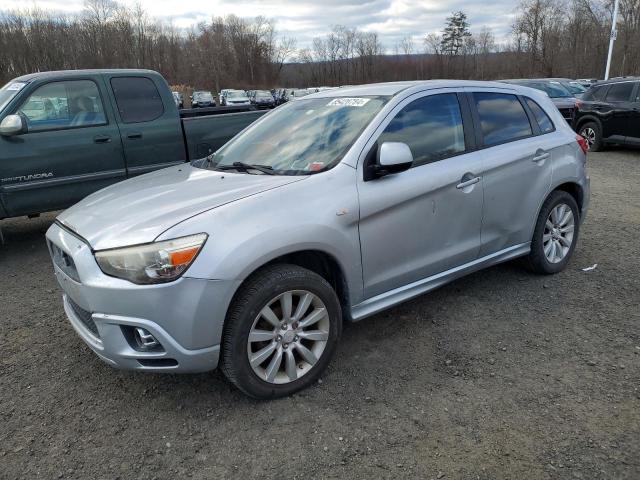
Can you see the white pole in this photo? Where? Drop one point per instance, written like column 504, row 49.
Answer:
column 614, row 34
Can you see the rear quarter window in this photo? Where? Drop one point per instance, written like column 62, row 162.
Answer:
column 544, row 122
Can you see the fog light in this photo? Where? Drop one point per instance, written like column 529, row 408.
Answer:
column 144, row 339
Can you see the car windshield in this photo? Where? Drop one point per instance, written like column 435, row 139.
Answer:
column 553, row 89
column 302, row 137
column 203, row 95
column 236, row 94
column 8, row 92
column 263, row 95
column 575, row 87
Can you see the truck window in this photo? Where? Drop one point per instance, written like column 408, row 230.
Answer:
column 138, row 99
column 431, row 126
column 62, row 105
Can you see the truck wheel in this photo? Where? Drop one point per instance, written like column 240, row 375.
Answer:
column 281, row 331
column 592, row 133
column 555, row 235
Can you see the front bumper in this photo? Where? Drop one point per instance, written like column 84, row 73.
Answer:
column 185, row 316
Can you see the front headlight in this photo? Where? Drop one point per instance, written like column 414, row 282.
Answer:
column 157, row 262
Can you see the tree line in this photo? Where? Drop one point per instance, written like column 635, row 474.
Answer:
column 553, row 38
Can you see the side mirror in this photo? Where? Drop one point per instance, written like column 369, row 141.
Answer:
column 393, row 157
column 13, row 125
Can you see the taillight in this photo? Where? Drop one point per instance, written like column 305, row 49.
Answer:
column 583, row 143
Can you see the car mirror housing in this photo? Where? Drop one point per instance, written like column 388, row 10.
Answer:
column 13, row 125
column 393, row 157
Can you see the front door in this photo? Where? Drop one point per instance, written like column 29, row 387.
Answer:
column 72, row 148
column 427, row 219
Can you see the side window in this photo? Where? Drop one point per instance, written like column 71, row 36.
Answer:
column 431, row 126
column 138, row 99
column 638, row 94
column 595, row 93
column 62, row 105
column 502, row 117
column 544, row 122
column 620, row 92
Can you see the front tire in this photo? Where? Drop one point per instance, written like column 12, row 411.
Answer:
column 281, row 331
column 592, row 133
column 555, row 235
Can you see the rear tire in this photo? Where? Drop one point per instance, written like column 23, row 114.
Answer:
column 555, row 235
column 268, row 315
column 592, row 133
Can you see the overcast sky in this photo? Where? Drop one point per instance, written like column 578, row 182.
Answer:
column 305, row 19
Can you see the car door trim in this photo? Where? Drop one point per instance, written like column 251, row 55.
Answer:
column 15, row 187
column 401, row 294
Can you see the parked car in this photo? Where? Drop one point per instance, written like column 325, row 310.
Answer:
column 572, row 86
column 64, row 135
column 263, row 99
column 587, row 82
column 609, row 113
column 236, row 97
column 221, row 96
column 329, row 209
column 562, row 98
column 179, row 98
column 202, row 99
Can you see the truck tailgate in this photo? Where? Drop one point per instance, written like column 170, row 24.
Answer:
column 205, row 135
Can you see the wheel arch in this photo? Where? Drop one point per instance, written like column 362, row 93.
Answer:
column 587, row 119
column 317, row 261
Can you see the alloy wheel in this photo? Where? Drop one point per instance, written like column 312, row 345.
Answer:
column 589, row 134
column 558, row 233
column 288, row 336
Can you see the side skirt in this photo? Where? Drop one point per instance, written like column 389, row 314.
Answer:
column 391, row 298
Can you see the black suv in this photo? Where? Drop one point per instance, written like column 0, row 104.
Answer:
column 609, row 112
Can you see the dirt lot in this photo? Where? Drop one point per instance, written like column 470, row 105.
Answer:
column 502, row 374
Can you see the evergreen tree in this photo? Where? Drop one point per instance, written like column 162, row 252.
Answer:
column 455, row 34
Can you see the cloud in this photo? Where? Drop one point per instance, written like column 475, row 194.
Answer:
column 306, row 19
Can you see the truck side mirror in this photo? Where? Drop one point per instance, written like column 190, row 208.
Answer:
column 13, row 125
column 393, row 157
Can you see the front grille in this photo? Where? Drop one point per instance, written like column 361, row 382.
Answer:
column 84, row 317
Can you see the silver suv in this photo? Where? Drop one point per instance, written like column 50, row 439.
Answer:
column 328, row 209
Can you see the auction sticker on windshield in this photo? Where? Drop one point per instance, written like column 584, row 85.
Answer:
column 348, row 102
column 16, row 86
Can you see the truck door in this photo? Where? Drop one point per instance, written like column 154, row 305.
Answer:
column 71, row 149
column 149, row 124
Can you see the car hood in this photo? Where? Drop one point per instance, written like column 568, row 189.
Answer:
column 140, row 209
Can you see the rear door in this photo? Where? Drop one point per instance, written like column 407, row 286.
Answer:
column 149, row 123
column 427, row 219
column 633, row 136
column 517, row 161
column 619, row 124
column 72, row 148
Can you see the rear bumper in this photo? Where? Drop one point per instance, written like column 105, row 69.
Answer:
column 185, row 316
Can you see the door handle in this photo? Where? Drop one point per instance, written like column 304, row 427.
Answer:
column 468, row 183
column 540, row 157
column 102, row 139
column 134, row 135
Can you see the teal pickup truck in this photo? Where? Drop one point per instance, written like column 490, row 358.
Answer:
column 64, row 135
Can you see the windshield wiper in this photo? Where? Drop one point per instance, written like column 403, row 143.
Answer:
column 246, row 166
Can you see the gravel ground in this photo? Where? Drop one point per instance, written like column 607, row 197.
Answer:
column 502, row 374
